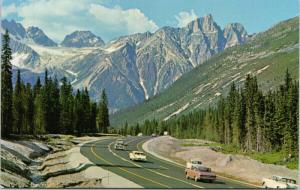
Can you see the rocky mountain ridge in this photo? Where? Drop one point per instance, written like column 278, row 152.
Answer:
column 131, row 68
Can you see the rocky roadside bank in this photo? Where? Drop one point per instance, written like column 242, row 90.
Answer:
column 50, row 161
column 234, row 166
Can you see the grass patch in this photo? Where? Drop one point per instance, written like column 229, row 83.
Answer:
column 293, row 164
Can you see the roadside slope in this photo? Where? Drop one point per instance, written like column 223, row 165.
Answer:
column 233, row 166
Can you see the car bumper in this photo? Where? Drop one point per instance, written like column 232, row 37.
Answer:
column 140, row 159
column 208, row 177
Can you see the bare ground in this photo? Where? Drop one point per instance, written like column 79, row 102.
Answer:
column 236, row 166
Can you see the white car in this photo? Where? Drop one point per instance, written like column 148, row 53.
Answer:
column 279, row 182
column 193, row 163
column 137, row 156
column 120, row 145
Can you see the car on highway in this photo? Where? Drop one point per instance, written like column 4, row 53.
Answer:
column 193, row 163
column 137, row 156
column 279, row 182
column 200, row 173
column 120, row 145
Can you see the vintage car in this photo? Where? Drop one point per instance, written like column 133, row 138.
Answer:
column 137, row 156
column 279, row 182
column 193, row 163
column 120, row 145
column 200, row 173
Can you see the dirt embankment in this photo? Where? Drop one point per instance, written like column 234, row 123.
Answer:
column 53, row 161
column 236, row 166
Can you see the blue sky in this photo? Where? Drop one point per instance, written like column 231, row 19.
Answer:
column 113, row 18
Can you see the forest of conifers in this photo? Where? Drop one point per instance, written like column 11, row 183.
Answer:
column 49, row 107
column 246, row 119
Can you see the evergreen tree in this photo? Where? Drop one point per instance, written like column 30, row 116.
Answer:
column 78, row 114
column 18, row 109
column 29, row 109
column 93, row 116
column 38, row 121
column 103, row 115
column 86, row 106
column 66, row 105
column 6, row 87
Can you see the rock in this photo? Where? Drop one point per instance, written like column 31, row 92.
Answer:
column 39, row 37
column 81, row 39
column 225, row 161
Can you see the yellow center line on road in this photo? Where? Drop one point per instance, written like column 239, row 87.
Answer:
column 182, row 166
column 99, row 157
column 158, row 173
column 163, row 167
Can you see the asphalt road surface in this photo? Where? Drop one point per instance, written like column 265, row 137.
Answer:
column 155, row 173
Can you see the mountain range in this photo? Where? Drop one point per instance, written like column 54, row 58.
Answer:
column 130, row 68
column 267, row 55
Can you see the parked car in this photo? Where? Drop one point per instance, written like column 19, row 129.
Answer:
column 200, row 173
column 120, row 145
column 193, row 163
column 166, row 133
column 153, row 135
column 137, row 156
column 279, row 182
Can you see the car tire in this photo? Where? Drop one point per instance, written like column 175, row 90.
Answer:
column 186, row 176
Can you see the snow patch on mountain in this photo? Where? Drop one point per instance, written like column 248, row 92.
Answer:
column 72, row 73
column 178, row 111
column 144, row 88
column 18, row 59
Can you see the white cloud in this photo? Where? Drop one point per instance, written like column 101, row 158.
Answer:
column 60, row 17
column 133, row 20
column 184, row 17
column 7, row 10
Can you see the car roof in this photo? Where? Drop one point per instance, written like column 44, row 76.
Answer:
column 282, row 177
column 195, row 160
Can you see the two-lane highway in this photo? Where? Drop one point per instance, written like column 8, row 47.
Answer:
column 155, row 173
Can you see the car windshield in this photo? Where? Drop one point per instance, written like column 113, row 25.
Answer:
column 202, row 169
column 139, row 153
column 289, row 180
column 196, row 162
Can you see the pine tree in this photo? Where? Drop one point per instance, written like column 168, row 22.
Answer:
column 55, row 107
column 38, row 120
column 18, row 109
column 78, row 113
column 250, row 92
column 93, row 116
column 87, row 111
column 66, row 105
column 103, row 115
column 37, row 87
column 29, row 109
column 6, row 87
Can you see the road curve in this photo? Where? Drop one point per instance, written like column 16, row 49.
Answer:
column 155, row 173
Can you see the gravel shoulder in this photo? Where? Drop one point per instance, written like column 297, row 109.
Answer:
column 235, row 166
